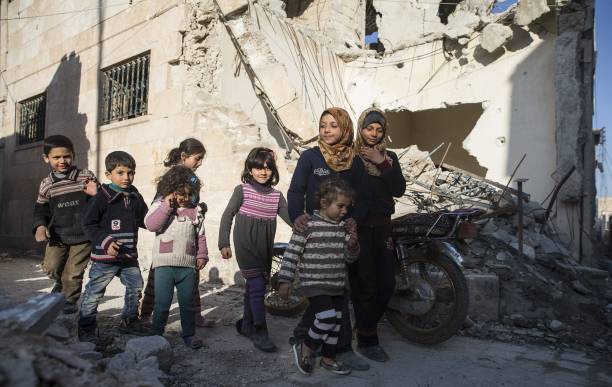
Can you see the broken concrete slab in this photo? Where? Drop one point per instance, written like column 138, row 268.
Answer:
column 461, row 23
column 580, row 288
column 19, row 372
column 494, row 35
column 34, row 315
column 144, row 347
column 529, row 10
column 528, row 251
column 484, row 296
column 69, row 358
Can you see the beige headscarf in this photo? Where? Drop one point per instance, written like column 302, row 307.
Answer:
column 381, row 146
column 339, row 156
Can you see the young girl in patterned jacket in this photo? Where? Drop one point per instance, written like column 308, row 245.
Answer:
column 255, row 205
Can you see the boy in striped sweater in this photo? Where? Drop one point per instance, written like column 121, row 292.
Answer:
column 62, row 199
column 318, row 258
column 112, row 221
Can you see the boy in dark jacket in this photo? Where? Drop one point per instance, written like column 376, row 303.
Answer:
column 62, row 199
column 112, row 221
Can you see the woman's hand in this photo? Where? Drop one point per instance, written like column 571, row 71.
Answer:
column 301, row 223
column 226, row 252
column 284, row 290
column 372, row 154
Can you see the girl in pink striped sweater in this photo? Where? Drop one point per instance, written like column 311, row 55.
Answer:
column 255, row 205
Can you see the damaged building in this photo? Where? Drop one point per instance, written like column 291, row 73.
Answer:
column 492, row 86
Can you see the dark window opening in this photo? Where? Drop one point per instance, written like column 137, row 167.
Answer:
column 446, row 8
column 295, row 8
column 31, row 119
column 125, row 88
column 371, row 28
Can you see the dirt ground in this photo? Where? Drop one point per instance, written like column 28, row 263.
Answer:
column 230, row 360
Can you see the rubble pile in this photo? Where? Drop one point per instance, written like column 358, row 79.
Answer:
column 545, row 294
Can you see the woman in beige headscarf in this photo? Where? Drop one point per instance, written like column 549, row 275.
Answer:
column 334, row 157
column 372, row 277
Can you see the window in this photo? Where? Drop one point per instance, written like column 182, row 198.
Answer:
column 31, row 119
column 125, row 88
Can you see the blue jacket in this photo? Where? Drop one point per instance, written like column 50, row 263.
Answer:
column 311, row 171
column 115, row 216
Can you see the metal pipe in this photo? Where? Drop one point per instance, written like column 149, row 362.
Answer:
column 519, row 183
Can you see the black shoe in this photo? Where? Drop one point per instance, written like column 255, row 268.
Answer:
column 304, row 363
column 88, row 333
column 57, row 288
column 70, row 308
column 335, row 367
column 261, row 340
column 374, row 352
column 244, row 330
column 133, row 326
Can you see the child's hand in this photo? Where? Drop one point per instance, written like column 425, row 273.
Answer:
column 170, row 200
column 200, row 263
column 284, row 290
column 90, row 187
column 226, row 252
column 351, row 227
column 301, row 223
column 113, row 248
column 41, row 234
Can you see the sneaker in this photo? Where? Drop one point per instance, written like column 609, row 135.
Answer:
column 70, row 308
column 351, row 360
column 335, row 367
column 374, row 352
column 133, row 326
column 88, row 333
column 304, row 363
column 262, row 341
column 57, row 288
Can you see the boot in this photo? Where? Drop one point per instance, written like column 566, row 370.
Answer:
column 261, row 340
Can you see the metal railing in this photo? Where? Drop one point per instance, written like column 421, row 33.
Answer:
column 125, row 88
column 32, row 119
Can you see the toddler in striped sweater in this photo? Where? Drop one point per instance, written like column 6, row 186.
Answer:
column 318, row 258
column 255, row 205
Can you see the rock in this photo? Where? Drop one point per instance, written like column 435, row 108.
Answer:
column 593, row 276
column 520, row 321
column 58, row 332
column 555, row 326
column 503, row 271
column 122, row 361
column 484, row 296
column 81, row 346
column 566, row 269
column 19, row 372
column 580, row 288
column 503, row 256
column 91, row 355
column 494, row 35
column 528, row 251
column 599, row 344
column 69, row 358
column 529, row 10
column 546, row 245
column 461, row 23
column 150, row 362
column 503, row 236
column 489, row 228
column 144, row 347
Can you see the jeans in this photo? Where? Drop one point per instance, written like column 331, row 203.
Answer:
column 100, row 275
column 166, row 278
column 66, row 264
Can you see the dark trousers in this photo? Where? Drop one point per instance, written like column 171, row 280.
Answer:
column 372, row 279
column 148, row 298
column 166, row 278
column 345, row 336
column 254, row 312
column 325, row 328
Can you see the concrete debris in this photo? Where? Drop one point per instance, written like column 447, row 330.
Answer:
column 156, row 346
column 529, row 10
column 461, row 23
column 494, row 35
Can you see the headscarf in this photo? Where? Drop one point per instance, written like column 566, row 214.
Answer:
column 366, row 118
column 339, row 157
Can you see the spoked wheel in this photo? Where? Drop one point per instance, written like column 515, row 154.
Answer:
column 275, row 305
column 434, row 304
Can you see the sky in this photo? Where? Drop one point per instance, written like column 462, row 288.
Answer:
column 603, row 92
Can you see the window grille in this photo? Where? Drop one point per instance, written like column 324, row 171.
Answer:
column 31, row 119
column 125, row 89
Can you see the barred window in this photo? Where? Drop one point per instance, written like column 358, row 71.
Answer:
column 31, row 119
column 125, row 88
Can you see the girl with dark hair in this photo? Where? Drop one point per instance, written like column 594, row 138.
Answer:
column 190, row 154
column 334, row 157
column 255, row 205
column 372, row 277
column 179, row 249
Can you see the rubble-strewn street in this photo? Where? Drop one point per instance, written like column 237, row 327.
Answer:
column 230, row 360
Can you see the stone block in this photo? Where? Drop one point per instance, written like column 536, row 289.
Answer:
column 20, row 372
column 34, row 315
column 144, row 347
column 529, row 10
column 484, row 296
column 494, row 35
column 122, row 361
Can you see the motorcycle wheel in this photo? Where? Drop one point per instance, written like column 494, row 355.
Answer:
column 434, row 327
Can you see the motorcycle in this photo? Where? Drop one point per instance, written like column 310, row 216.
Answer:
column 431, row 301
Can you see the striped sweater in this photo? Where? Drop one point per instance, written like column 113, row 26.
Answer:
column 318, row 258
column 115, row 217
column 262, row 205
column 180, row 237
column 60, row 205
